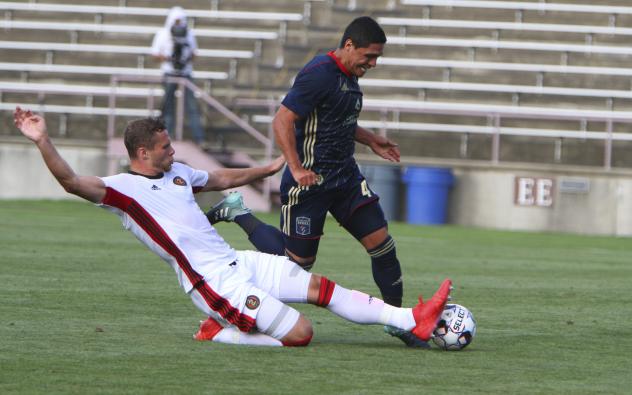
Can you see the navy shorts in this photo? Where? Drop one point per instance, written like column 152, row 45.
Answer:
column 304, row 211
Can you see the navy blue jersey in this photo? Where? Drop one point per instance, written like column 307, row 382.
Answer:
column 328, row 100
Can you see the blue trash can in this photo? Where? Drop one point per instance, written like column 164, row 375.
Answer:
column 427, row 196
column 385, row 182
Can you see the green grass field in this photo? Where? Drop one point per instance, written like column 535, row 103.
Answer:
column 87, row 309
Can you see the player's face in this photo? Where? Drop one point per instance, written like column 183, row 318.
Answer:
column 363, row 59
column 161, row 154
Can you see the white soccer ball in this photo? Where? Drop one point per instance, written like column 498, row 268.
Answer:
column 456, row 328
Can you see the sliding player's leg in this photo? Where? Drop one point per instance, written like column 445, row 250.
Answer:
column 245, row 307
column 258, row 305
column 293, row 285
column 266, row 238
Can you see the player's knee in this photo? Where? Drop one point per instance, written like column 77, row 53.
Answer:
column 300, row 335
column 320, row 290
column 375, row 239
column 305, row 263
column 366, row 221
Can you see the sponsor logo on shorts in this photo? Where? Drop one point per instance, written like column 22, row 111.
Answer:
column 252, row 302
column 303, row 226
column 179, row 181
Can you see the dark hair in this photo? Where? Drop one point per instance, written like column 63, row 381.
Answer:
column 363, row 31
column 140, row 133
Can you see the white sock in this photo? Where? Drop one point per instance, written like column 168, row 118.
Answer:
column 231, row 335
column 361, row 308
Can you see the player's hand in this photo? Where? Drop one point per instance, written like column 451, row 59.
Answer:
column 304, row 177
column 385, row 148
column 31, row 125
column 277, row 164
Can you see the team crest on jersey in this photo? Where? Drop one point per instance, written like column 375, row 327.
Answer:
column 303, row 226
column 179, row 181
column 252, row 302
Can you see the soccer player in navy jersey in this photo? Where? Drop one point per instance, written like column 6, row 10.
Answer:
column 316, row 129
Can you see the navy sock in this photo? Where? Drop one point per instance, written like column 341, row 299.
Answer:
column 266, row 238
column 387, row 272
column 247, row 222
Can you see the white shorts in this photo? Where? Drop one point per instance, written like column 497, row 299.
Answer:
column 234, row 295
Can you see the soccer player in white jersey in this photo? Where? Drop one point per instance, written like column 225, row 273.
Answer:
column 243, row 293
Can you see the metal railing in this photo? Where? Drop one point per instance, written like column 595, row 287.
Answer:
column 184, row 83
column 494, row 114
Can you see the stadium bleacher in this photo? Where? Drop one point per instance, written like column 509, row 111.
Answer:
column 495, row 54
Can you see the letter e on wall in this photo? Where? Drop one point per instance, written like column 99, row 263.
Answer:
column 532, row 191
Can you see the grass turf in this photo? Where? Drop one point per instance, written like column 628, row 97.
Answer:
column 86, row 308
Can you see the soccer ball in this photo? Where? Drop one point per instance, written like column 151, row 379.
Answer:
column 456, row 328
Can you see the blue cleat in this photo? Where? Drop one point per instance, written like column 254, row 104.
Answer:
column 227, row 209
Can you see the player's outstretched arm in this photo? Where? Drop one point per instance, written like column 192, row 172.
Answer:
column 230, row 178
column 283, row 125
column 34, row 127
column 382, row 146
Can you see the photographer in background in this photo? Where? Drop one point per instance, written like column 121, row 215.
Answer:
column 175, row 47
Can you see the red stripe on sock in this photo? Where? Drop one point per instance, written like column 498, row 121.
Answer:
column 325, row 292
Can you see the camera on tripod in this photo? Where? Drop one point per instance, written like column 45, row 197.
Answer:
column 181, row 54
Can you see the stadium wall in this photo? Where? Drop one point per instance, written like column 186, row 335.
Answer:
column 533, row 199
column 575, row 200
column 24, row 175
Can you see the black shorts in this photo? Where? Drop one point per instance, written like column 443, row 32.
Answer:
column 304, row 211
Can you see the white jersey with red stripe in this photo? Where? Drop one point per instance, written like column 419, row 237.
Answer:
column 163, row 214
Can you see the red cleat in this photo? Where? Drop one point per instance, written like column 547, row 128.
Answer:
column 208, row 330
column 427, row 314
